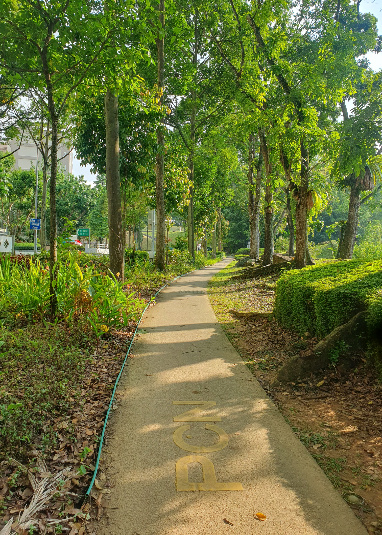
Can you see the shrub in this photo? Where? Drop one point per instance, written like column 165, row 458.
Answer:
column 242, row 251
column 319, row 298
column 26, row 246
column 181, row 243
column 370, row 247
column 133, row 256
column 324, row 250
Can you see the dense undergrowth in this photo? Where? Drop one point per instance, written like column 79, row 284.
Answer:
column 44, row 363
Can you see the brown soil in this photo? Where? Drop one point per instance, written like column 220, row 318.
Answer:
column 337, row 414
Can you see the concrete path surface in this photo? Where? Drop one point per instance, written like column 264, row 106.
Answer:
column 197, row 448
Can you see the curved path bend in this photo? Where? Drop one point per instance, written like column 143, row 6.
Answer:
column 197, row 448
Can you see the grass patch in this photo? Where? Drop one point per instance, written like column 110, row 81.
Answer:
column 333, row 468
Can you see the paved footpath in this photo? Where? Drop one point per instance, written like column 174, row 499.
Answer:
column 197, row 447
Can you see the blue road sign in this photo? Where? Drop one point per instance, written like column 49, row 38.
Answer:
column 35, row 224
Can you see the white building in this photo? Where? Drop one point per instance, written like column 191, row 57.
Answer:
column 26, row 155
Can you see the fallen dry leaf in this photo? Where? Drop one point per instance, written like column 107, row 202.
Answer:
column 260, row 516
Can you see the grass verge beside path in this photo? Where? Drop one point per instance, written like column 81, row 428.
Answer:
column 336, row 414
column 56, row 380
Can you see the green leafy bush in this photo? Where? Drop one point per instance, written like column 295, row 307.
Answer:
column 24, row 288
column 133, row 256
column 324, row 250
column 319, row 298
column 242, row 251
column 374, row 323
column 370, row 247
column 25, row 247
column 181, row 243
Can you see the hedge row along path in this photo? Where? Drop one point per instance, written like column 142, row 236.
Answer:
column 197, row 447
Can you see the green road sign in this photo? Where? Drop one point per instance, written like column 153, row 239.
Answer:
column 83, row 232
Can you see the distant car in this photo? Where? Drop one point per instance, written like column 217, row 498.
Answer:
column 73, row 242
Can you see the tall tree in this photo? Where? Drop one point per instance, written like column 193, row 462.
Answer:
column 113, row 186
column 160, row 255
column 50, row 48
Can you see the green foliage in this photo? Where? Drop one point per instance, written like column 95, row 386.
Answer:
column 319, row 298
column 374, row 324
column 25, row 247
column 242, row 251
column 17, row 197
column 181, row 243
column 325, row 250
column 370, row 247
column 135, row 257
column 75, row 199
column 24, row 289
column 338, row 350
column 95, row 299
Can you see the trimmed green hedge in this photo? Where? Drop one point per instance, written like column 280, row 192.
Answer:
column 26, row 247
column 317, row 299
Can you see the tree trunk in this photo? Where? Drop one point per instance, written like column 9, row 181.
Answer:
column 220, row 231
column 290, row 224
column 254, row 193
column 45, row 155
column 214, row 242
column 113, row 186
column 268, row 208
column 302, row 209
column 43, row 207
column 53, row 214
column 349, row 231
column 160, row 255
column 308, row 258
column 268, row 225
column 190, row 218
column 190, row 215
column 204, row 244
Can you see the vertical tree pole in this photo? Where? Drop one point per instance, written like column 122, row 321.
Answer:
column 53, row 176
column 190, row 219
column 113, row 186
column 45, row 155
column 160, row 256
column 268, row 203
column 302, row 209
column 290, row 223
column 254, row 192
